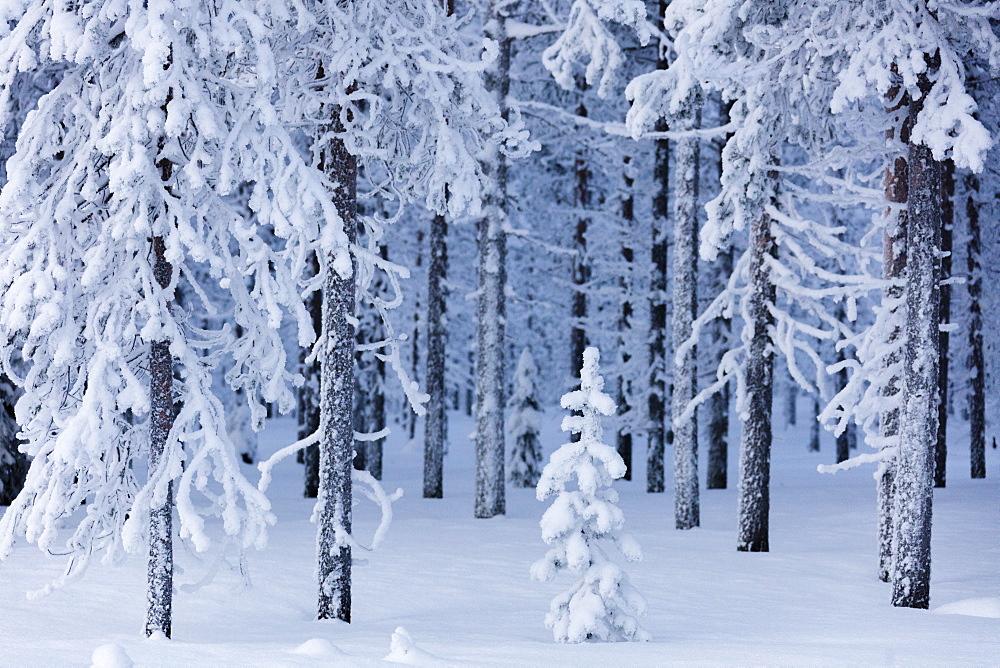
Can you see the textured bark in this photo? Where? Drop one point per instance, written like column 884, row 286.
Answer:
column 624, row 436
column 947, row 225
column 491, row 315
column 755, row 442
column 685, row 303
column 409, row 416
column 160, row 570
column 814, row 426
column 337, row 385
column 894, row 264
column 308, row 397
column 847, row 440
column 976, row 361
column 918, row 425
column 436, row 421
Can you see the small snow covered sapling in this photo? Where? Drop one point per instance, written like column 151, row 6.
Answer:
column 523, row 420
column 581, row 522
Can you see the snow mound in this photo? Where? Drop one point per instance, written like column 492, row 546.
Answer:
column 972, row 607
column 111, row 655
column 402, row 649
column 319, row 648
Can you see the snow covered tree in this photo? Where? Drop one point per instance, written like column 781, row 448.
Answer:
column 975, row 362
column 13, row 463
column 523, row 423
column 584, row 520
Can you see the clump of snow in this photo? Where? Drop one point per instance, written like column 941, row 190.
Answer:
column 581, row 522
column 318, row 648
column 111, row 655
column 402, row 649
column 972, row 607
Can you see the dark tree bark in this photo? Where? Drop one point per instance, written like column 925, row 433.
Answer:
column 13, row 463
column 409, row 415
column 336, row 446
column 436, row 421
column 492, row 279
column 976, row 362
column 894, row 265
column 918, row 426
column 160, row 572
column 308, row 397
column 791, row 403
column 947, row 225
column 687, row 508
column 624, row 436
column 814, row 426
column 581, row 262
column 755, row 443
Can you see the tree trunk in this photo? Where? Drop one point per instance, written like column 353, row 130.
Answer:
column 976, row 362
column 814, row 426
column 308, row 397
column 755, row 443
column 581, row 263
column 685, row 302
column 947, row 225
column 918, row 426
column 894, row 265
column 791, row 403
column 336, row 446
column 624, row 441
column 436, row 421
column 13, row 463
column 160, row 572
column 409, row 414
column 492, row 279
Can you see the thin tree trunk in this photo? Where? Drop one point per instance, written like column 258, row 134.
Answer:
column 755, row 443
column 685, row 302
column 918, row 426
column 947, row 225
column 436, row 421
column 976, row 361
column 814, row 426
column 411, row 416
column 160, row 572
column 13, row 463
column 624, row 440
column 791, row 403
column 581, row 263
column 336, row 447
column 492, row 278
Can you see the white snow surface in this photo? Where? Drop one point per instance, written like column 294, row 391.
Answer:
column 461, row 587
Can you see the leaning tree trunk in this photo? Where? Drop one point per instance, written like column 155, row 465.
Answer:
column 976, row 361
column 918, row 426
column 492, row 279
column 685, row 302
column 755, row 443
column 624, row 436
column 947, row 224
column 336, row 446
column 894, row 265
column 160, row 572
column 436, row 421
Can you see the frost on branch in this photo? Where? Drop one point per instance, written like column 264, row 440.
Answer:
column 523, row 424
column 583, row 522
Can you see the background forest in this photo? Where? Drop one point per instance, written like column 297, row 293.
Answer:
column 263, row 264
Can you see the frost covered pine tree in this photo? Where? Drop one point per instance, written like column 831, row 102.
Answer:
column 582, row 522
column 13, row 463
column 523, row 423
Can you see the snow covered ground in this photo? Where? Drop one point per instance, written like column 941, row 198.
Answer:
column 460, row 586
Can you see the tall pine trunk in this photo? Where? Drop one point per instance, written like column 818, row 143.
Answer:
column 336, row 446
column 13, row 463
column 894, row 265
column 976, row 361
column 918, row 427
column 624, row 436
column 436, row 421
column 755, row 442
column 814, row 425
column 160, row 571
column 308, row 397
column 581, row 262
column 492, row 280
column 685, row 302
column 947, row 225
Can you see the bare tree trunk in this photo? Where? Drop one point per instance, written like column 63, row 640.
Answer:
column 791, row 403
column 814, row 426
column 918, row 426
column 581, row 262
column 13, row 463
column 685, row 302
column 755, row 443
column 976, row 361
column 436, row 421
column 492, row 278
column 308, row 397
column 336, row 447
column 160, row 572
column 624, row 440
column 947, row 225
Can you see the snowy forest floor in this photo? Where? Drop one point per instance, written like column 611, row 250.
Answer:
column 460, row 586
